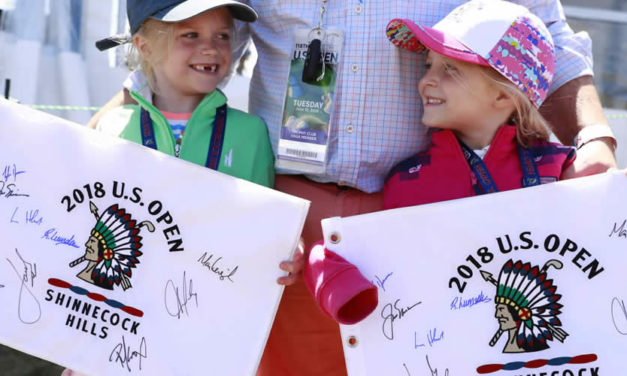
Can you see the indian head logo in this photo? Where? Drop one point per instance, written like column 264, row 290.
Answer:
column 527, row 307
column 113, row 248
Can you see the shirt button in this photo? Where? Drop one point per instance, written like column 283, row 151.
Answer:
column 354, row 68
column 358, row 9
column 350, row 128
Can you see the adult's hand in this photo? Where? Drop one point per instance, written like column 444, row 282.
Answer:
column 570, row 109
column 595, row 157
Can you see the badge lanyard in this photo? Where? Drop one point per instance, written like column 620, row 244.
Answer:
column 314, row 52
column 486, row 183
column 308, row 103
column 215, row 145
column 529, row 168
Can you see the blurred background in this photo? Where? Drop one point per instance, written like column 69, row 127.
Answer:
column 48, row 60
column 606, row 22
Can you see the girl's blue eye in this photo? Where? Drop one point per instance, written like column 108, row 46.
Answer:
column 224, row 36
column 190, row 35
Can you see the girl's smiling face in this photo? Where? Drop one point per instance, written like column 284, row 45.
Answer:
column 198, row 58
column 457, row 96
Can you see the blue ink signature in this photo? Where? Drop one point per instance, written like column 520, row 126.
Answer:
column 13, row 216
column 459, row 302
column 11, row 171
column 381, row 282
column 416, row 344
column 53, row 236
column 432, row 338
column 23, row 308
column 31, row 217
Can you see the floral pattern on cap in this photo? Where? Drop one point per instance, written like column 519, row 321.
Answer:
column 401, row 36
column 525, row 57
column 499, row 34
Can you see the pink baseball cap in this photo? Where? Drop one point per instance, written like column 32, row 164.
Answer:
column 495, row 33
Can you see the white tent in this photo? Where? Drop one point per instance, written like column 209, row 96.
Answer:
column 47, row 51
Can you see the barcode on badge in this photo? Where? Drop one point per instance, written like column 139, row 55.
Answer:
column 302, row 153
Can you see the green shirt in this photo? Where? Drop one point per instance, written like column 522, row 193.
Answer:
column 246, row 150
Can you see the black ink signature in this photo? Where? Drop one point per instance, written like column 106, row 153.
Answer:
column 434, row 372
column 182, row 297
column 618, row 306
column 406, row 369
column 388, row 315
column 123, row 354
column 621, row 231
column 11, row 190
column 213, row 266
column 30, row 272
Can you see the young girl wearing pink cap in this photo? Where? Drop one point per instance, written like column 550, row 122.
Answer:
column 488, row 68
column 489, row 65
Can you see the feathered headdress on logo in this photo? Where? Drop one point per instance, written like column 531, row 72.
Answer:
column 119, row 243
column 528, row 291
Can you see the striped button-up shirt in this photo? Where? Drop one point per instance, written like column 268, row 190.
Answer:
column 376, row 115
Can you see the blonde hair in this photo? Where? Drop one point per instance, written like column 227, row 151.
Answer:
column 530, row 125
column 159, row 36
